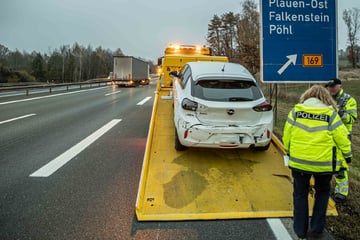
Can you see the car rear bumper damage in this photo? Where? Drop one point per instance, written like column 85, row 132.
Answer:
column 226, row 137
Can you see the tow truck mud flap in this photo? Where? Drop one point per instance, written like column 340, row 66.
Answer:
column 200, row 184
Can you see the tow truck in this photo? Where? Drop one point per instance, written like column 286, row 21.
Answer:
column 207, row 184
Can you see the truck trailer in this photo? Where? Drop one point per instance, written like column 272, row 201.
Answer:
column 130, row 71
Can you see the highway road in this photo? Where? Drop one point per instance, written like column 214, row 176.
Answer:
column 70, row 165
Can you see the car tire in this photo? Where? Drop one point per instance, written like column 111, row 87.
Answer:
column 264, row 148
column 178, row 145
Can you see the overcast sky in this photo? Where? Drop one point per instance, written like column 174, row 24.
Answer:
column 140, row 28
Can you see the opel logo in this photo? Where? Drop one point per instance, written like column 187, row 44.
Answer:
column 230, row 111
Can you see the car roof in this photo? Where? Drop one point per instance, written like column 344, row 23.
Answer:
column 219, row 69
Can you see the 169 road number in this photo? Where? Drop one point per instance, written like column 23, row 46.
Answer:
column 312, row 60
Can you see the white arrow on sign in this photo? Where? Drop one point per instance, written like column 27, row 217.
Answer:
column 292, row 59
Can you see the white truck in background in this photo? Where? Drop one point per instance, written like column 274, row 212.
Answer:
column 130, row 71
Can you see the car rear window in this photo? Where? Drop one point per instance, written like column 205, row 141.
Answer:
column 226, row 90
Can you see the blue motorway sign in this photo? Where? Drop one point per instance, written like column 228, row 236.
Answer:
column 298, row 40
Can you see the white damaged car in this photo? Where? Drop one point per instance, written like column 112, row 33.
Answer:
column 220, row 105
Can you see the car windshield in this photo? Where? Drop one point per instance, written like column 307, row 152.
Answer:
column 226, row 90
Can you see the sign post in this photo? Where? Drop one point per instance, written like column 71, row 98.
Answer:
column 298, row 40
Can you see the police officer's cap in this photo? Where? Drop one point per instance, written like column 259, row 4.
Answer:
column 333, row 82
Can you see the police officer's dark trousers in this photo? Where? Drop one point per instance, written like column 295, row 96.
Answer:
column 300, row 198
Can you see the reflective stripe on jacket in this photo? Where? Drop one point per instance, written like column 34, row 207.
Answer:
column 347, row 104
column 315, row 138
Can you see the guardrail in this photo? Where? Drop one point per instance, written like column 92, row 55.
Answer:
column 51, row 86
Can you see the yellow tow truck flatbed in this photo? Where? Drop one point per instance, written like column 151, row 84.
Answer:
column 204, row 184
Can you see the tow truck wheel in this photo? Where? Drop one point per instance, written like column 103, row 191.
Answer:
column 178, row 145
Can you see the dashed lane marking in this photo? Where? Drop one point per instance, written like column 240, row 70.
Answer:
column 112, row 93
column 61, row 160
column 144, row 101
column 17, row 118
column 278, row 229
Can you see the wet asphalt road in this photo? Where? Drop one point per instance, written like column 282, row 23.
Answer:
column 93, row 194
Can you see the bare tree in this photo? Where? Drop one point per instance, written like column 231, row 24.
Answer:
column 351, row 18
column 221, row 35
column 214, row 35
column 248, row 39
column 77, row 52
column 3, row 51
column 229, row 23
column 118, row 52
column 38, row 67
column 64, row 52
column 237, row 36
column 65, row 64
column 54, row 67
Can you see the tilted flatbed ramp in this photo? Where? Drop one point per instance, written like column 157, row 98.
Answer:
column 199, row 184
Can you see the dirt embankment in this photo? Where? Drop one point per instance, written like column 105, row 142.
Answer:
column 349, row 75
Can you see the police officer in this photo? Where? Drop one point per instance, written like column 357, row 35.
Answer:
column 317, row 144
column 347, row 109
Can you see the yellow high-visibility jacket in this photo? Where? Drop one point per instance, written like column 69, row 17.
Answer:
column 347, row 104
column 315, row 138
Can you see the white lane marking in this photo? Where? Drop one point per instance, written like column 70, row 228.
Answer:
column 278, row 229
column 108, row 94
column 17, row 118
column 62, row 159
column 144, row 101
column 49, row 96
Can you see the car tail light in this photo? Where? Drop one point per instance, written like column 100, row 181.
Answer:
column 187, row 104
column 263, row 107
column 186, row 133
column 268, row 134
